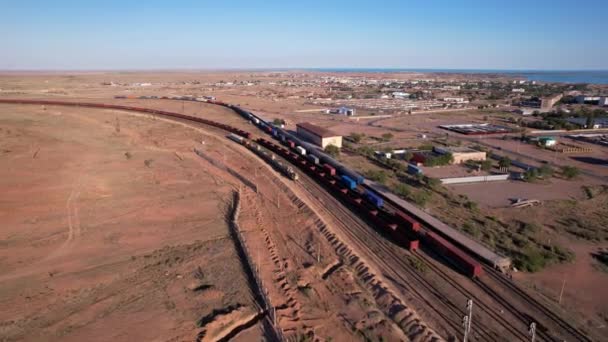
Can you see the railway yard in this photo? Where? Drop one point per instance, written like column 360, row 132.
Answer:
column 137, row 212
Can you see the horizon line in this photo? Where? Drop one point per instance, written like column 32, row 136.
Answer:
column 338, row 69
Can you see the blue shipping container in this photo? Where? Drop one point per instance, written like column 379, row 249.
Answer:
column 374, row 198
column 413, row 169
column 348, row 182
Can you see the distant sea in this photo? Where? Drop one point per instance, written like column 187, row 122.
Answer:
column 559, row 76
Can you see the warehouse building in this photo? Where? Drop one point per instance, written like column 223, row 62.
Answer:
column 461, row 154
column 318, row 135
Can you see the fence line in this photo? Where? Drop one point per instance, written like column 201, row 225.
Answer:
column 253, row 271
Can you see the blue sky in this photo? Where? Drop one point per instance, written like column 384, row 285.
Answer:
column 491, row 34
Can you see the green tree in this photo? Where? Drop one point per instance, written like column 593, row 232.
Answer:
column 570, row 172
column 332, row 150
column 277, row 122
column 486, row 165
column 504, row 162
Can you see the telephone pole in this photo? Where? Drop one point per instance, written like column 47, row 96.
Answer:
column 532, row 331
column 467, row 320
column 465, row 324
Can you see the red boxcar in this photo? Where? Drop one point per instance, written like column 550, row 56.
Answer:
column 329, row 169
column 454, row 255
column 413, row 245
column 408, row 221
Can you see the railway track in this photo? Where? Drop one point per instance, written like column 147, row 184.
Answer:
column 552, row 317
column 387, row 256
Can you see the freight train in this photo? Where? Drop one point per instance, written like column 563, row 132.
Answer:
column 268, row 157
column 344, row 183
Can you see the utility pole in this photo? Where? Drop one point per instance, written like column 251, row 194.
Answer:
column 561, row 293
column 319, row 253
column 465, row 324
column 532, row 331
column 467, row 320
column 470, row 313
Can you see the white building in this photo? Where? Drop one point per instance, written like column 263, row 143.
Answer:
column 518, row 90
column 451, row 87
column 455, row 99
column 603, row 101
column 400, row 95
column 318, row 135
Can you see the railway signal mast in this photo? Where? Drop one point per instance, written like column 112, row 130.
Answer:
column 467, row 320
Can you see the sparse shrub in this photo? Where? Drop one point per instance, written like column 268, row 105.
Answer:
column 570, row 172
column 529, row 228
column 148, row 162
column 418, row 264
column 332, row 150
column 387, row 136
column 545, row 171
column 432, row 183
column 471, row 229
column 470, row 205
column 128, row 155
column 379, row 176
column 402, row 190
column 356, row 137
column 421, row 197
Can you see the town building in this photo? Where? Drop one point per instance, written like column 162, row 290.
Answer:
column 603, row 101
column 461, row 154
column 586, row 99
column 342, row 111
column 400, row 95
column 518, row 90
column 601, row 122
column 318, row 135
column 455, row 99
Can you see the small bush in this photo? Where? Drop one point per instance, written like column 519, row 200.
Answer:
column 570, row 172
column 470, row 205
column 387, row 136
column 332, row 150
column 421, row 197
column 471, row 230
column 402, row 190
column 357, row 137
column 377, row 175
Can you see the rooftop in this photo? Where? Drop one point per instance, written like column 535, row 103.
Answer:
column 456, row 149
column 317, row 130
